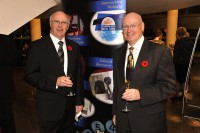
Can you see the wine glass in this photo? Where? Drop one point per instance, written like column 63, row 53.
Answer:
column 70, row 89
column 126, row 86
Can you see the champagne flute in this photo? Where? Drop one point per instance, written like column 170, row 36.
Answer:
column 126, row 86
column 70, row 89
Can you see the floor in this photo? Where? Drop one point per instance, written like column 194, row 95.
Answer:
column 190, row 121
column 26, row 115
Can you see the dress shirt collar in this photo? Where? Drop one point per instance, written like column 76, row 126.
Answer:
column 138, row 44
column 56, row 40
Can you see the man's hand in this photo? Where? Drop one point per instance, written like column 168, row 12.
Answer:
column 64, row 81
column 131, row 95
column 79, row 108
column 114, row 120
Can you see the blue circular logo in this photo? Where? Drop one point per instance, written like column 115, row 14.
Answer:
column 106, row 26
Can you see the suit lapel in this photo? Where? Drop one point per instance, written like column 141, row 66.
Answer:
column 53, row 55
column 69, row 55
column 143, row 56
column 121, row 61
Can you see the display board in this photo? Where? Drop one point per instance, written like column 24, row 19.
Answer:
column 97, row 27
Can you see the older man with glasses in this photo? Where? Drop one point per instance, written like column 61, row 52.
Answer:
column 50, row 62
column 148, row 82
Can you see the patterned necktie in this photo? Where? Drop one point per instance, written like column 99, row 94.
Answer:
column 61, row 53
column 130, row 64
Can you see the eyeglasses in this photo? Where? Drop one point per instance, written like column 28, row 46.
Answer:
column 60, row 22
column 133, row 26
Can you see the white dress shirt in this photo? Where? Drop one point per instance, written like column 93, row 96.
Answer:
column 136, row 51
column 55, row 42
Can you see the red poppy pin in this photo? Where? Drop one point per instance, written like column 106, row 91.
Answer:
column 144, row 63
column 69, row 48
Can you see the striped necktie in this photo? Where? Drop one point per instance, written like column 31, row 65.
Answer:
column 61, row 53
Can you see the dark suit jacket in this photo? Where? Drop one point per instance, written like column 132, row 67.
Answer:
column 182, row 50
column 155, row 82
column 42, row 70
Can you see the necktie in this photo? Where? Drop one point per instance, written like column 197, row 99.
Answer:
column 130, row 64
column 61, row 53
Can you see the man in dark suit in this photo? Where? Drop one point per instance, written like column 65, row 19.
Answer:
column 152, row 81
column 9, row 56
column 45, row 71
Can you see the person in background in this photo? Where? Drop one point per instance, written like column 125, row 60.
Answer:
column 74, row 27
column 55, row 69
column 9, row 56
column 182, row 53
column 72, row 32
column 24, row 50
column 158, row 37
column 152, row 81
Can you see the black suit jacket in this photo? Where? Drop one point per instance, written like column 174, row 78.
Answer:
column 42, row 70
column 182, row 50
column 155, row 81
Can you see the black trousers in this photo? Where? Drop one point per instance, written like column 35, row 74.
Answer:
column 181, row 72
column 7, row 123
column 56, row 126
column 128, row 128
column 65, row 125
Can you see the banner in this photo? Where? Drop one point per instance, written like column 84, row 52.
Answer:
column 96, row 26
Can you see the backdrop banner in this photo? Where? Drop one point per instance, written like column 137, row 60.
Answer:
column 97, row 27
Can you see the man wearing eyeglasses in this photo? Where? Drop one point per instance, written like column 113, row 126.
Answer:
column 140, row 108
column 50, row 60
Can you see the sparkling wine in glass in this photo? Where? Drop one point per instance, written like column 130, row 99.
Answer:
column 126, row 86
column 70, row 89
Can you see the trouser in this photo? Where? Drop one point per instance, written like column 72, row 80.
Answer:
column 7, row 123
